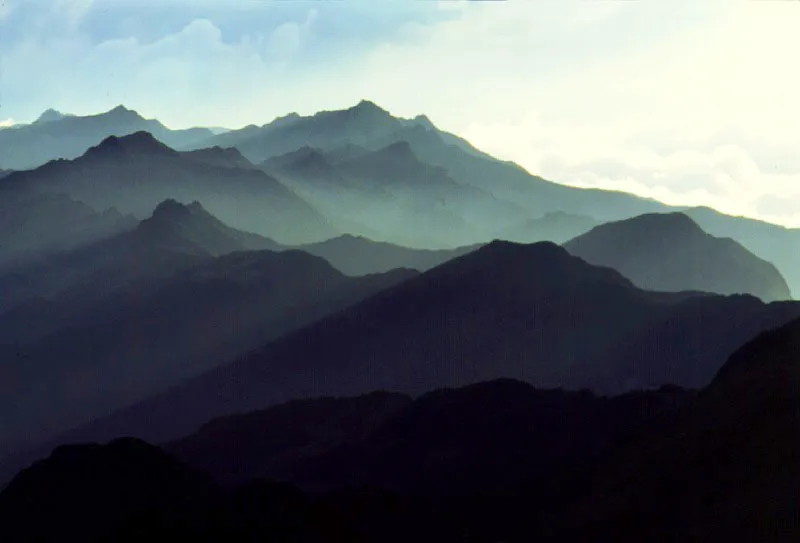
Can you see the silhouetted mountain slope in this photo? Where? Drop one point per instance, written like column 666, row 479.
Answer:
column 773, row 243
column 727, row 471
column 557, row 227
column 4, row 173
column 131, row 491
column 533, row 313
column 152, row 332
column 670, row 252
column 355, row 255
column 135, row 172
column 494, row 461
column 55, row 135
column 281, row 442
column 35, row 226
column 447, row 442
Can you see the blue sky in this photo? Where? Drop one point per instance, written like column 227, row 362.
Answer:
column 688, row 102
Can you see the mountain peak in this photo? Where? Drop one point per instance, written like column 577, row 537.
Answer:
column 171, row 208
column 670, row 252
column 138, row 143
column 424, row 121
column 50, row 115
column 121, row 109
column 368, row 107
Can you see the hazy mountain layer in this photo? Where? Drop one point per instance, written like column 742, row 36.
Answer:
column 136, row 172
column 55, row 136
column 114, row 322
column 368, row 126
column 773, row 243
column 556, row 226
column 35, row 226
column 355, row 255
column 670, row 252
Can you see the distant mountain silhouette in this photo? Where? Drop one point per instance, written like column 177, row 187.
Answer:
column 355, row 255
column 557, row 227
column 773, row 243
column 135, row 172
column 368, row 126
column 670, row 252
column 51, row 115
column 392, row 193
column 55, row 135
column 175, row 236
column 532, row 313
column 359, row 125
column 190, row 228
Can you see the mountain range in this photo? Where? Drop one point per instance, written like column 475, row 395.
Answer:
column 494, row 461
column 351, row 326
column 55, row 135
column 134, row 173
column 130, row 315
column 528, row 312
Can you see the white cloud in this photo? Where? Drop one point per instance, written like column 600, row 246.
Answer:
column 689, row 103
column 7, row 123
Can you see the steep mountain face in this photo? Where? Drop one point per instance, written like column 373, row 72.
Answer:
column 726, row 471
column 773, row 243
column 670, row 252
column 55, row 136
column 532, row 313
column 130, row 491
column 355, row 255
column 136, row 172
column 557, row 227
column 33, row 227
column 390, row 191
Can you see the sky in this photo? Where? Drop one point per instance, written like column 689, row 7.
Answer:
column 691, row 103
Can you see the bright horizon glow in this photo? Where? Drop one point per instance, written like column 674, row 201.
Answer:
column 688, row 103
